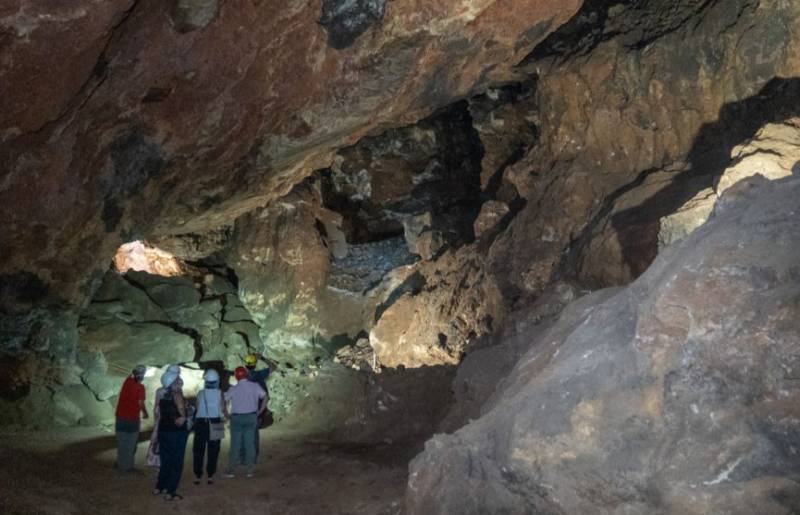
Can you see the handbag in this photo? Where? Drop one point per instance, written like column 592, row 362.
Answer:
column 153, row 458
column 216, row 430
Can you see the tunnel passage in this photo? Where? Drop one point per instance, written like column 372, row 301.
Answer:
column 412, row 216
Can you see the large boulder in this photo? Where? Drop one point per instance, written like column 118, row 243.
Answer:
column 127, row 345
column 676, row 395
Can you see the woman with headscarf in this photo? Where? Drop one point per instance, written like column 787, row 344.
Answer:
column 172, row 435
column 210, row 410
column 153, row 458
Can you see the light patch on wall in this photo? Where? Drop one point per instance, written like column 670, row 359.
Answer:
column 140, row 256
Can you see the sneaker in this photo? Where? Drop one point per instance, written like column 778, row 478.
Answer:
column 197, row 480
column 210, row 481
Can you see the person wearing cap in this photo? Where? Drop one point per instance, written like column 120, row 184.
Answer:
column 129, row 407
column 173, row 371
column 248, row 401
column 210, row 409
column 172, row 436
column 260, row 378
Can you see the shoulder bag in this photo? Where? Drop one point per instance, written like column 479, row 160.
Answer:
column 216, row 430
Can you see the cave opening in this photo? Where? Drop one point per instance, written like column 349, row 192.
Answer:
column 506, row 257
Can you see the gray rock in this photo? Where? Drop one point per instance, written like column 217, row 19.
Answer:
column 189, row 15
column 127, row 345
column 675, row 395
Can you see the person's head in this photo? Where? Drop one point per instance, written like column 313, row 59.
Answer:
column 211, row 378
column 168, row 378
column 176, row 385
column 250, row 361
column 138, row 372
column 240, row 373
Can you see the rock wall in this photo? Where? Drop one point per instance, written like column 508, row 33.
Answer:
column 134, row 318
column 176, row 117
column 639, row 106
column 673, row 395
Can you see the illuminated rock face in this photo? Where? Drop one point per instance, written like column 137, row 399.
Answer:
column 142, row 257
column 672, row 395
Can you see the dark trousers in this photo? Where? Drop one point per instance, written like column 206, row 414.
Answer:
column 171, row 448
column 201, row 441
column 127, row 437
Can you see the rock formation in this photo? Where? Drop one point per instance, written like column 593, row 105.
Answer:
column 392, row 202
column 673, row 395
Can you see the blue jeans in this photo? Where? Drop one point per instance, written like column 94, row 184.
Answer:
column 171, row 449
column 243, row 441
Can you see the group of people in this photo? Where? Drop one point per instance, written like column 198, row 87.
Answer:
column 243, row 404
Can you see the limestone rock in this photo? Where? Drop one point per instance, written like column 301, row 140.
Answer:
column 674, row 395
column 77, row 406
column 127, row 345
column 436, row 314
column 492, row 213
column 689, row 217
column 188, row 15
column 773, row 152
column 360, row 356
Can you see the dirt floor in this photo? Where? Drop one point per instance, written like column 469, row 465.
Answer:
column 71, row 471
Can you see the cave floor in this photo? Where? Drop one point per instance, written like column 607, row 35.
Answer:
column 70, row 471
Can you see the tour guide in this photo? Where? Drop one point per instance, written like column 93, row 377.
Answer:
column 248, row 401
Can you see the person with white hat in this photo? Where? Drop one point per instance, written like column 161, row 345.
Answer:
column 208, row 428
column 153, row 458
column 172, row 435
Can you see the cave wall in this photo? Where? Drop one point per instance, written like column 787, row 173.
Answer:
column 631, row 129
column 399, row 189
column 675, row 394
column 178, row 117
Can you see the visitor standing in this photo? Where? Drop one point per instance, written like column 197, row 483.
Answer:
column 129, row 406
column 153, row 458
column 248, row 401
column 208, row 430
column 260, row 378
column 172, row 435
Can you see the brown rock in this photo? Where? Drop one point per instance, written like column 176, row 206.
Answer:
column 492, row 212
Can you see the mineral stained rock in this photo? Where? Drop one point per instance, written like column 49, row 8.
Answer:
column 152, row 118
column 676, row 395
column 614, row 110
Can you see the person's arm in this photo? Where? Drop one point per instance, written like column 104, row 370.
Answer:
column 225, row 399
column 262, row 404
column 142, row 407
column 223, row 405
column 181, row 404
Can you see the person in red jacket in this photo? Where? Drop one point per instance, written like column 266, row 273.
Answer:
column 129, row 406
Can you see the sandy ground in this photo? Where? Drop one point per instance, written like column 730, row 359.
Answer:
column 71, row 472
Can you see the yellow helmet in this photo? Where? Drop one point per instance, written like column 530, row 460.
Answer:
column 250, row 359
